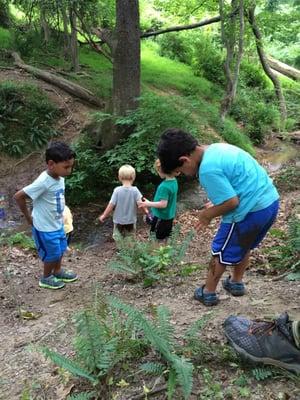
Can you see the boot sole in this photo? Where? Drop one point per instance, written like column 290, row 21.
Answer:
column 67, row 280
column 45, row 286
column 263, row 360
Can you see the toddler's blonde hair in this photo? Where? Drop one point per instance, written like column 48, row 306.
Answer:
column 126, row 173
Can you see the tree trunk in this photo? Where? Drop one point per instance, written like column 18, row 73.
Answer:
column 66, row 32
column 284, row 69
column 233, row 55
column 73, row 40
column 126, row 55
column 67, row 86
column 45, row 26
column 264, row 63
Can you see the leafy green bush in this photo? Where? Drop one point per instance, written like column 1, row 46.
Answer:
column 208, row 60
column 252, row 75
column 176, row 47
column 18, row 239
column 255, row 114
column 144, row 261
column 6, row 40
column 26, row 118
column 287, row 255
column 288, row 179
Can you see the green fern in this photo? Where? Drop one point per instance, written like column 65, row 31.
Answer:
column 81, row 396
column 159, row 340
column 165, row 327
column 263, row 373
column 153, row 368
column 67, row 364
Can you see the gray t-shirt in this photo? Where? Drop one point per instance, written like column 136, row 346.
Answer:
column 125, row 199
column 48, row 196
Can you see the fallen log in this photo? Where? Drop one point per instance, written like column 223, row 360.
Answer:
column 69, row 87
column 284, row 69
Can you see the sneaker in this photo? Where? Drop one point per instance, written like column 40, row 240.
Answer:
column 208, row 299
column 264, row 342
column 235, row 288
column 66, row 276
column 50, row 283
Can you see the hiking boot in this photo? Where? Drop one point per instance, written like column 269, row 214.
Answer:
column 50, row 282
column 208, row 299
column 235, row 288
column 66, row 276
column 264, row 342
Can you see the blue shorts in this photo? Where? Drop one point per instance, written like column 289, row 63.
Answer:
column 50, row 245
column 234, row 240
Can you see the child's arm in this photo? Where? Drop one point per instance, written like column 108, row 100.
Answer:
column 154, row 204
column 106, row 212
column 20, row 198
column 215, row 211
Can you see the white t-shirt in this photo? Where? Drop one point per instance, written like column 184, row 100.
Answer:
column 48, row 196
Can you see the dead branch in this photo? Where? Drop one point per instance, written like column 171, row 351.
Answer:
column 69, row 87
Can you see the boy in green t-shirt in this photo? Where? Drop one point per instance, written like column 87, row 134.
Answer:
column 164, row 205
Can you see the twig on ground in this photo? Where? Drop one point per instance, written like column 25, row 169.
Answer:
column 24, row 159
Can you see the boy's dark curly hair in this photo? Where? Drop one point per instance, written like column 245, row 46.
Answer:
column 58, row 152
column 174, row 143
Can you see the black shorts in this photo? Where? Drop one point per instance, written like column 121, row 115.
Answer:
column 161, row 227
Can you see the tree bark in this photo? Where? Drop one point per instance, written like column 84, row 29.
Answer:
column 66, row 32
column 284, row 69
column 233, row 56
column 126, row 66
column 264, row 63
column 73, row 40
column 45, row 26
column 69, row 87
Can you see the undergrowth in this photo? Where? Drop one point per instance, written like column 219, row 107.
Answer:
column 147, row 261
column 27, row 118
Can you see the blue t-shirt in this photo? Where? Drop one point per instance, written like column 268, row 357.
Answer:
column 48, row 196
column 227, row 171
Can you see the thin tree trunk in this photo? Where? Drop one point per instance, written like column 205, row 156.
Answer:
column 265, row 64
column 284, row 69
column 66, row 33
column 45, row 26
column 73, row 40
column 233, row 57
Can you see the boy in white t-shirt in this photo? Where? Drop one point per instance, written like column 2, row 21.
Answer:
column 47, row 193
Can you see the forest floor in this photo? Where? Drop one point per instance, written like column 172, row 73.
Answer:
column 25, row 374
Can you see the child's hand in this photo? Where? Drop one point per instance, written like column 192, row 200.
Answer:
column 203, row 221
column 143, row 203
column 102, row 218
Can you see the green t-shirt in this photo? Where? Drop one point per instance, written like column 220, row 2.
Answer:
column 167, row 190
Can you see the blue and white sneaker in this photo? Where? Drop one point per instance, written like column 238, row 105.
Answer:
column 208, row 299
column 235, row 288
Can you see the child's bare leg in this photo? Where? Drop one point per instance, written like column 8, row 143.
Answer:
column 51, row 268
column 239, row 269
column 215, row 271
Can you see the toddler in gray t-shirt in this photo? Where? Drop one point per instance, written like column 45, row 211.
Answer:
column 124, row 202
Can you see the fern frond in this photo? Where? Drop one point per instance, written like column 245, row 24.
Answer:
column 184, row 373
column 171, row 384
column 151, row 332
column 153, row 368
column 262, row 373
column 81, row 396
column 165, row 328
column 67, row 364
column 182, row 248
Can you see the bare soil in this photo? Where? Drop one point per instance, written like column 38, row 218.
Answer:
column 24, row 370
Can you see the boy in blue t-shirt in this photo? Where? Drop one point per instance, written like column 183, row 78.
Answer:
column 47, row 194
column 240, row 191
